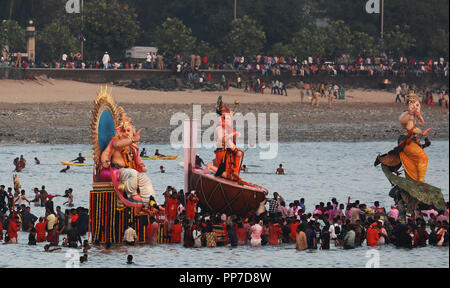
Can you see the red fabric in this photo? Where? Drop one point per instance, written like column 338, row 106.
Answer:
column 12, row 229
column 274, row 234
column 241, row 235
column 171, row 209
column 373, row 235
column 293, row 228
column 190, row 208
column 40, row 232
column 53, row 238
column 74, row 218
column 175, row 233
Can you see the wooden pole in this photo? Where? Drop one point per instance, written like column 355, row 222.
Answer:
column 382, row 19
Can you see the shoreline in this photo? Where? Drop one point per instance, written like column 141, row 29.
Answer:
column 31, row 113
column 356, row 122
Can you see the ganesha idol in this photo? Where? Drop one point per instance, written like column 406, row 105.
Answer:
column 116, row 153
column 410, row 191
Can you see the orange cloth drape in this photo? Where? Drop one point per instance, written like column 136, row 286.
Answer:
column 415, row 161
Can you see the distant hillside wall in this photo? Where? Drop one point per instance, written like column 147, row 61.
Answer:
column 107, row 76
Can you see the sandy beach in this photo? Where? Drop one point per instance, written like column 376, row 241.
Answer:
column 59, row 111
column 54, row 91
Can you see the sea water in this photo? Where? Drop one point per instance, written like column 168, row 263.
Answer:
column 314, row 171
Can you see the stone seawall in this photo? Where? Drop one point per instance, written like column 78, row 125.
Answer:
column 107, row 76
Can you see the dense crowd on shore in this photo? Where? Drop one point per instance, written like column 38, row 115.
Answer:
column 265, row 65
column 345, row 226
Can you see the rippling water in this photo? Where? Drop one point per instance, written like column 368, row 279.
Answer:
column 315, row 171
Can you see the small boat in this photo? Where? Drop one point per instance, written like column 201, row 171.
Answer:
column 217, row 194
column 154, row 157
column 76, row 164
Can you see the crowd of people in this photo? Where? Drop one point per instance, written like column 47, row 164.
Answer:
column 322, row 226
column 16, row 216
column 346, row 226
column 426, row 95
column 265, row 65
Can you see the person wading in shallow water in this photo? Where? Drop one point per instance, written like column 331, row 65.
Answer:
column 280, row 170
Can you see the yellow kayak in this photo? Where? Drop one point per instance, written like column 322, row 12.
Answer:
column 154, row 157
column 76, row 164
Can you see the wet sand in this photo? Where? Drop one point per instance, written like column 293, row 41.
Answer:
column 59, row 112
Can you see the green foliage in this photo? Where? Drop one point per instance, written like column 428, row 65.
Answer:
column 399, row 41
column 337, row 39
column 308, row 42
column 55, row 40
column 12, row 35
column 364, row 45
column 281, row 49
column 204, row 49
column 115, row 25
column 109, row 26
column 439, row 43
column 425, row 19
column 173, row 37
column 245, row 38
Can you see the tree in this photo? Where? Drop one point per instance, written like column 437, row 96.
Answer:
column 364, row 45
column 399, row 41
column 12, row 35
column 423, row 17
column 439, row 43
column 55, row 40
column 109, row 26
column 203, row 48
column 281, row 49
column 308, row 43
column 337, row 39
column 173, row 37
column 246, row 38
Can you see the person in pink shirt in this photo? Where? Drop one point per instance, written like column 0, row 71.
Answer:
column 348, row 212
column 393, row 213
column 331, row 211
column 255, row 234
column 283, row 209
column 317, row 211
column 291, row 211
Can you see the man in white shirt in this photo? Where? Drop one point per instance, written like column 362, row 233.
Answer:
column 106, row 59
column 130, row 236
column 148, row 60
column 398, row 92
